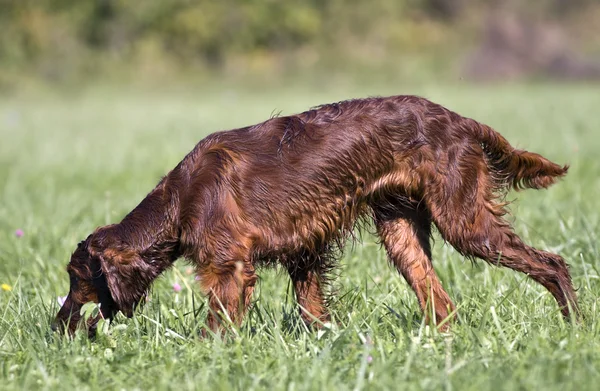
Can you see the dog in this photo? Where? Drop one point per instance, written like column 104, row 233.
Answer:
column 290, row 190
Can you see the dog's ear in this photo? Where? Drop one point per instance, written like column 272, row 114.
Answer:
column 127, row 277
column 108, row 305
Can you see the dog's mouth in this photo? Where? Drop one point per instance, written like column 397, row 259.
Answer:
column 67, row 317
column 69, row 326
column 76, row 322
column 91, row 330
column 74, row 316
column 88, row 302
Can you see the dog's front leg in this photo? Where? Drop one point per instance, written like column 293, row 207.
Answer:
column 229, row 288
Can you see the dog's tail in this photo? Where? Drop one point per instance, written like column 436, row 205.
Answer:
column 515, row 167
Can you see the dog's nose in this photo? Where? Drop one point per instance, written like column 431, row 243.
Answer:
column 54, row 326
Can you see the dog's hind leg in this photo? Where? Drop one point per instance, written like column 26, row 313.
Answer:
column 308, row 279
column 405, row 231
column 464, row 209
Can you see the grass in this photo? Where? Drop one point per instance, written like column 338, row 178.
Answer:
column 70, row 163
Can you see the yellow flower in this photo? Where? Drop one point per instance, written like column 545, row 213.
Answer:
column 6, row 287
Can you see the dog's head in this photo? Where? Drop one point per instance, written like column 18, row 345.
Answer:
column 104, row 272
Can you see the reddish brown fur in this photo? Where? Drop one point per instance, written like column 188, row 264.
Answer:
column 288, row 191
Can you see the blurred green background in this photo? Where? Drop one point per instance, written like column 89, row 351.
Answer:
column 75, row 42
column 100, row 98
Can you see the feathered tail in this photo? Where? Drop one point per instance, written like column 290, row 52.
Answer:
column 515, row 167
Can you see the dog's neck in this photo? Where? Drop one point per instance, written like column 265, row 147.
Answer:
column 152, row 228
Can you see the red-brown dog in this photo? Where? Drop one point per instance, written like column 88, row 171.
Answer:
column 288, row 192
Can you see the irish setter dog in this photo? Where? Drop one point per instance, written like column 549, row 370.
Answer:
column 288, row 191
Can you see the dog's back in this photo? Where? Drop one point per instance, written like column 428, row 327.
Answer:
column 300, row 181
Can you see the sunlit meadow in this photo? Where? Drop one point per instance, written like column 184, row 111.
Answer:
column 73, row 161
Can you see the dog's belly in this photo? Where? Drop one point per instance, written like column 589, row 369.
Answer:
column 311, row 224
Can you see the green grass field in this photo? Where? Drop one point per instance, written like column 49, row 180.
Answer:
column 72, row 162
